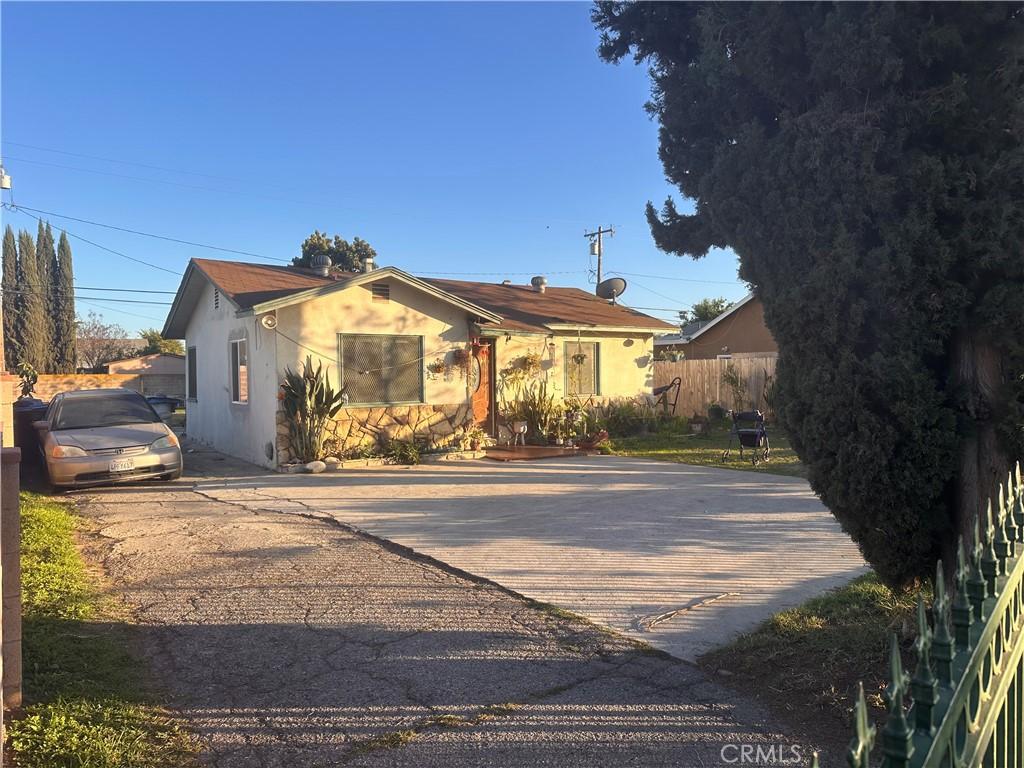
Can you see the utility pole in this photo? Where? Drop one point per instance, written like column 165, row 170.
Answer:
column 597, row 245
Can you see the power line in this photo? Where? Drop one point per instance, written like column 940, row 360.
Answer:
column 678, row 279
column 150, row 234
column 23, row 292
column 492, row 274
column 122, row 311
column 13, row 207
column 125, row 162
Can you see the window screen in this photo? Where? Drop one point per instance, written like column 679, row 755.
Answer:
column 581, row 368
column 381, row 369
column 191, row 384
column 239, row 372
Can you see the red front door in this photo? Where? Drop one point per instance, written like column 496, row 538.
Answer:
column 483, row 395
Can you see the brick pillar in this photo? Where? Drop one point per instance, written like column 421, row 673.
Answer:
column 10, row 573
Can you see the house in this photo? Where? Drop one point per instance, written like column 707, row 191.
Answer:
column 418, row 358
column 738, row 332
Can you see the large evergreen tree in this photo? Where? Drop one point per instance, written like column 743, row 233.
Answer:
column 63, row 312
column 32, row 325
column 46, row 258
column 346, row 256
column 11, row 301
column 866, row 163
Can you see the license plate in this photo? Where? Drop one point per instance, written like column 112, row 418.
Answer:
column 122, row 465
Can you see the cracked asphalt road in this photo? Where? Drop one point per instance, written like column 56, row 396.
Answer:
column 285, row 640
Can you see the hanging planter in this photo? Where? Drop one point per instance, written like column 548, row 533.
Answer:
column 461, row 359
column 579, row 358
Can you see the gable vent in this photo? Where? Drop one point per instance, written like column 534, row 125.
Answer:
column 216, row 298
column 381, row 293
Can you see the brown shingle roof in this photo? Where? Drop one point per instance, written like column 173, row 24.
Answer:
column 524, row 309
column 250, row 284
column 521, row 307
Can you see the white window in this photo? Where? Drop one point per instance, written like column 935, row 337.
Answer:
column 381, row 369
column 239, row 371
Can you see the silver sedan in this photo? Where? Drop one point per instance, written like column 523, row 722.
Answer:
column 97, row 436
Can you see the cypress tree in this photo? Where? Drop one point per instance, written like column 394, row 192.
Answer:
column 31, row 321
column 46, row 259
column 866, row 163
column 12, row 342
column 63, row 314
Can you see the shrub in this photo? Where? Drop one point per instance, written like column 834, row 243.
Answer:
column 308, row 401
column 402, row 452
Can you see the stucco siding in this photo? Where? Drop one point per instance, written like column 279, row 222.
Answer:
column 312, row 328
column 625, row 360
column 242, row 430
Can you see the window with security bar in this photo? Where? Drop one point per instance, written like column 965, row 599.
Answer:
column 379, row 369
column 582, row 368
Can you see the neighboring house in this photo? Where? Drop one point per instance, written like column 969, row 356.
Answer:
column 418, row 358
column 158, row 363
column 738, row 332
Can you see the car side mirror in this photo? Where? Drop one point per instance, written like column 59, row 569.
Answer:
column 42, row 426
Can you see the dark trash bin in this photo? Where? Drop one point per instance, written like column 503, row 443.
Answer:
column 26, row 411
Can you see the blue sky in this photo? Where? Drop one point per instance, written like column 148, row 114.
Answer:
column 455, row 138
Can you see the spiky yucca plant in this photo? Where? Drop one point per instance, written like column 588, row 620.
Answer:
column 309, row 402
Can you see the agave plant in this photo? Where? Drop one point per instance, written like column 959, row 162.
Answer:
column 309, row 402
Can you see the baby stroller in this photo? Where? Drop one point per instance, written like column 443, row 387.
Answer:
column 748, row 429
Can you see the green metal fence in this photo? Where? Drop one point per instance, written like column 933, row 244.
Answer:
column 967, row 690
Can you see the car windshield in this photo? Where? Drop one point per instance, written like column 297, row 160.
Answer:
column 108, row 411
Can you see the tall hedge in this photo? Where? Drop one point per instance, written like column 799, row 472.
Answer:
column 12, row 342
column 62, row 299
column 866, row 163
column 31, row 324
column 46, row 258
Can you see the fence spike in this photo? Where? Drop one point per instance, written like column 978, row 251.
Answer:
column 1002, row 545
column 1018, row 507
column 989, row 556
column 963, row 616
column 942, row 641
column 897, row 738
column 859, row 753
column 924, row 687
column 1010, row 527
column 977, row 587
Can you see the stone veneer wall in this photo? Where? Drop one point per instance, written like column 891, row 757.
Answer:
column 437, row 426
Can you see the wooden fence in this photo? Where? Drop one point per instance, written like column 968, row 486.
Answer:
column 702, row 385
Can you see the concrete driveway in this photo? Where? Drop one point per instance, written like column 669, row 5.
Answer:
column 682, row 557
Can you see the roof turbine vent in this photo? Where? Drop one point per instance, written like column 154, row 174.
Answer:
column 321, row 264
column 539, row 283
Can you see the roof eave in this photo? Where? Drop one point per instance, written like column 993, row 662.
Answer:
column 596, row 328
column 365, row 277
column 728, row 311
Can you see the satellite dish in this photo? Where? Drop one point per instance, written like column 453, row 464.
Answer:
column 269, row 321
column 611, row 288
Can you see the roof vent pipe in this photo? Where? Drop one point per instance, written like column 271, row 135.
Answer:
column 539, row 283
column 369, row 264
column 321, row 264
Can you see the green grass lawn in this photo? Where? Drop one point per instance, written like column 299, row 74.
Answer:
column 85, row 701
column 706, row 450
column 804, row 664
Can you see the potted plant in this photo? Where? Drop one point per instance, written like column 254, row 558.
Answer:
column 461, row 359
column 437, row 368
